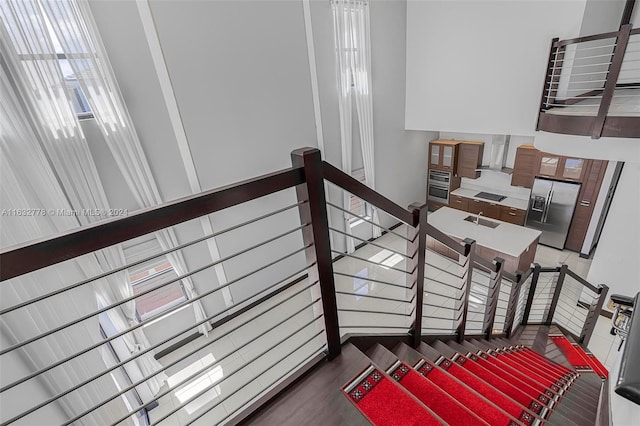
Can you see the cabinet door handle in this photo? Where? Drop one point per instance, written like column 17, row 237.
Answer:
column 511, row 214
column 476, row 201
column 513, row 208
column 584, row 203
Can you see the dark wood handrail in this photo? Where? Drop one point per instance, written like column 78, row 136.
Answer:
column 445, row 239
column 33, row 255
column 585, row 39
column 628, row 385
column 492, row 266
column 584, row 282
column 635, row 31
column 360, row 190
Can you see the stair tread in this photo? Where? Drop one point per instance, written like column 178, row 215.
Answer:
column 411, row 356
column 441, row 402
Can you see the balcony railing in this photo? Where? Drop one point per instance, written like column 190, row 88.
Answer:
column 294, row 302
column 592, row 86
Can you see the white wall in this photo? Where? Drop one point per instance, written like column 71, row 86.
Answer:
column 240, row 75
column 400, row 156
column 478, row 66
column 601, row 16
column 616, row 261
column 614, row 149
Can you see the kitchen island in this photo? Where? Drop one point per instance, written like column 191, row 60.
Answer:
column 515, row 244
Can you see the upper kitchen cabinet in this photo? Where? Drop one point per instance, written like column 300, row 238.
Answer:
column 443, row 155
column 563, row 168
column 526, row 166
column 469, row 159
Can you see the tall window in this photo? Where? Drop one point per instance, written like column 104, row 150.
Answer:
column 357, row 206
column 45, row 51
column 152, row 274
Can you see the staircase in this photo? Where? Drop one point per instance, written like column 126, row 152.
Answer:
column 476, row 382
column 308, row 334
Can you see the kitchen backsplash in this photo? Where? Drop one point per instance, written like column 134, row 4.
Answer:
column 497, row 183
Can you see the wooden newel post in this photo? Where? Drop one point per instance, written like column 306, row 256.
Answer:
column 510, row 316
column 532, row 292
column 592, row 316
column 492, row 298
column 556, row 294
column 469, row 252
column 416, row 248
column 316, row 234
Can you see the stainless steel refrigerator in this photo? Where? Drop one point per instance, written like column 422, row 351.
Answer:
column 551, row 208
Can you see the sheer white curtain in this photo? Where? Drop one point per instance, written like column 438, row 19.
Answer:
column 353, row 74
column 79, row 39
column 28, row 181
column 49, row 129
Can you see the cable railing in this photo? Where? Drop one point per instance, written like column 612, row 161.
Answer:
column 591, row 82
column 197, row 345
column 560, row 296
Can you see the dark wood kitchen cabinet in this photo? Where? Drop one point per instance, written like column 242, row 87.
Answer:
column 458, row 202
column 443, row 155
column 491, row 210
column 561, row 167
column 469, row 159
column 512, row 215
column 591, row 183
column 526, row 166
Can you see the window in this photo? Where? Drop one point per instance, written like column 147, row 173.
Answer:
column 357, row 206
column 34, row 57
column 152, row 274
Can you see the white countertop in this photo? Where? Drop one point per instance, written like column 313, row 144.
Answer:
column 509, row 201
column 506, row 238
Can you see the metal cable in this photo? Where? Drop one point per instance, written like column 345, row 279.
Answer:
column 370, row 261
column 205, row 390
column 369, row 242
column 368, row 221
column 146, row 259
column 140, row 324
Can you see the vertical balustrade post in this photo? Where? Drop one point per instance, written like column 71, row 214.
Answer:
column 547, row 98
column 592, row 316
column 314, row 212
column 512, row 305
column 617, row 58
column 469, row 252
column 556, row 294
column 492, row 298
column 532, row 293
column 416, row 248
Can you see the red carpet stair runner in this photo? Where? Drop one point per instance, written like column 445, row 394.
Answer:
column 578, row 357
column 478, row 382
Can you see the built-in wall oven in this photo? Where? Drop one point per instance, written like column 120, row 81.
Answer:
column 438, row 186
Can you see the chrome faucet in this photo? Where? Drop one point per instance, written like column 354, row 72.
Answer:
column 478, row 218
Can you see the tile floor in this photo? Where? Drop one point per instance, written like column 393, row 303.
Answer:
column 222, row 372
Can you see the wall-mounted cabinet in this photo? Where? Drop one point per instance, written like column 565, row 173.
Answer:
column 526, row 166
column 461, row 158
column 443, row 155
column 469, row 159
column 560, row 167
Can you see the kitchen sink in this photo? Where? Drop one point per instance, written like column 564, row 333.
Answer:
column 481, row 221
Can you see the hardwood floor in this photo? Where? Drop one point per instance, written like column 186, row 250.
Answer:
column 316, row 398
